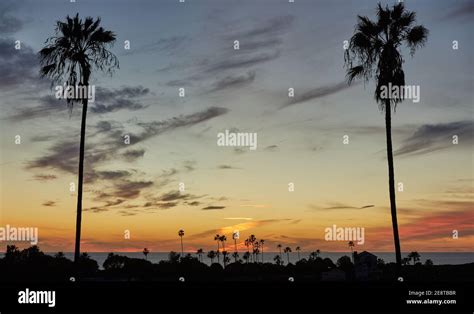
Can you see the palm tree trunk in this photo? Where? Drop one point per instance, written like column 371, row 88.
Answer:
column 218, row 261
column 77, row 249
column 182, row 248
column 262, row 254
column 391, row 183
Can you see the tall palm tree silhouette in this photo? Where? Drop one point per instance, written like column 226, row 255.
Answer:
column 375, row 50
column 77, row 49
column 279, row 248
column 261, row 245
column 181, row 235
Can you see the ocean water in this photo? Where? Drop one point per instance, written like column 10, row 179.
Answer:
column 438, row 258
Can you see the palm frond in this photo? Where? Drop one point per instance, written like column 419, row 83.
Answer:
column 416, row 37
column 383, row 15
column 357, row 71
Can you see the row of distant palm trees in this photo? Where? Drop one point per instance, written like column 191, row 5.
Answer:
column 253, row 254
column 257, row 245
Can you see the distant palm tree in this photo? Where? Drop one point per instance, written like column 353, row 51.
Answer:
column 145, row 252
column 246, row 257
column 181, row 234
column 234, row 237
column 405, row 261
column 314, row 255
column 298, row 249
column 375, row 47
column 218, row 239
column 211, row 255
column 351, row 246
column 59, row 255
column 78, row 47
column 235, row 255
column 261, row 245
column 199, row 253
column 415, row 256
column 256, row 250
column 288, row 251
column 247, row 244
column 279, row 248
column 252, row 240
column 225, row 258
column 223, row 238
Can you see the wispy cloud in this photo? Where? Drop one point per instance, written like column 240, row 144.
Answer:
column 111, row 100
column 158, row 127
column 266, row 29
column 107, row 100
column 316, row 93
column 63, row 154
column 336, row 205
column 232, row 81
column 213, row 207
column 434, row 137
column 463, row 11
column 168, row 45
column 133, row 154
column 226, row 167
column 44, row 177
column 8, row 22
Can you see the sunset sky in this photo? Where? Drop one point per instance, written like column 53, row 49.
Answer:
column 174, row 139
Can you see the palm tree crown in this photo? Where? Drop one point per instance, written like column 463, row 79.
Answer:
column 375, row 48
column 77, row 48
